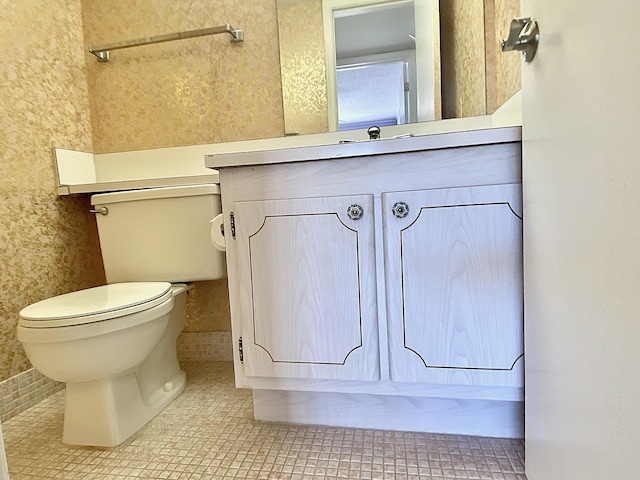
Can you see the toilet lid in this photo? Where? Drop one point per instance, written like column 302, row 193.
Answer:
column 95, row 304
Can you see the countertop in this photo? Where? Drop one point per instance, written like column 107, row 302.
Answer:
column 364, row 148
column 101, row 187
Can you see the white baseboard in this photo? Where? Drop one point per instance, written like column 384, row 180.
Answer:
column 487, row 418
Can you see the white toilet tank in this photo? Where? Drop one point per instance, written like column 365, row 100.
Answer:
column 159, row 234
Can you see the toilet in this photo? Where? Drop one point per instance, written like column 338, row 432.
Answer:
column 114, row 346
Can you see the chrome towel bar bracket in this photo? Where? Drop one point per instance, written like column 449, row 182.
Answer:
column 523, row 37
column 102, row 51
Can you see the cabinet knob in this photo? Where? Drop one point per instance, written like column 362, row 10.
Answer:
column 400, row 209
column 355, row 212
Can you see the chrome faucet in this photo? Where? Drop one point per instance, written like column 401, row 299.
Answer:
column 374, row 133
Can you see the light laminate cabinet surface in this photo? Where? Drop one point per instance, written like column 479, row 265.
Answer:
column 378, row 278
column 454, row 285
column 308, row 274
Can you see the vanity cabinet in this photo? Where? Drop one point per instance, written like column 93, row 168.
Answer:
column 453, row 286
column 380, row 290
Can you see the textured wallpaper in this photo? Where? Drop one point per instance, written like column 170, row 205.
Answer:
column 508, row 78
column 48, row 245
column 187, row 92
column 304, row 82
column 462, row 58
column 477, row 78
column 208, row 307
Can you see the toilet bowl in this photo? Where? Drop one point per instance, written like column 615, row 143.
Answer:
column 114, row 346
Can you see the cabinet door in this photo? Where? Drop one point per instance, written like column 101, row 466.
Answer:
column 307, row 269
column 454, row 285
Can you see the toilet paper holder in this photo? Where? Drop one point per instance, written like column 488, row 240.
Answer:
column 217, row 233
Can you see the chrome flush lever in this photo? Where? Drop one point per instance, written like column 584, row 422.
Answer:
column 523, row 37
column 101, row 211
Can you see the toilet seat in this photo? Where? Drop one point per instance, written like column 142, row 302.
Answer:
column 95, row 304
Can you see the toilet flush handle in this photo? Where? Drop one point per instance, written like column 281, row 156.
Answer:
column 101, row 211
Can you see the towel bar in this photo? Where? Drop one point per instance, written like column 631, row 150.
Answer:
column 102, row 51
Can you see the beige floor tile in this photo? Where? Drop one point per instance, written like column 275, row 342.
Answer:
column 209, row 433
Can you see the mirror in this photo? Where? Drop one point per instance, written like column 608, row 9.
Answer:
column 450, row 67
column 384, row 71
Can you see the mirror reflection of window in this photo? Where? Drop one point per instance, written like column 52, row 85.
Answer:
column 373, row 94
column 375, row 65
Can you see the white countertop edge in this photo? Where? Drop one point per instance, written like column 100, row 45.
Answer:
column 99, row 187
column 363, row 148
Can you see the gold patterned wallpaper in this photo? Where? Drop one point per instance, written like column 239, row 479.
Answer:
column 48, row 245
column 462, row 58
column 187, row 92
column 304, row 82
column 508, row 72
column 477, row 77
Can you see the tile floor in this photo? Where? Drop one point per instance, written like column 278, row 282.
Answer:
column 209, row 433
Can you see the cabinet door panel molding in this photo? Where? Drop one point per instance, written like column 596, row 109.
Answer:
column 310, row 268
column 454, row 270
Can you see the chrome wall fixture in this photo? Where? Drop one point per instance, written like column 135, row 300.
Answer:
column 102, row 51
column 523, row 37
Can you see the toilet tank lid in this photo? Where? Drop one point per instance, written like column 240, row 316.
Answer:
column 156, row 193
column 96, row 304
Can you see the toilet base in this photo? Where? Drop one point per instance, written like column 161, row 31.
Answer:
column 107, row 412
